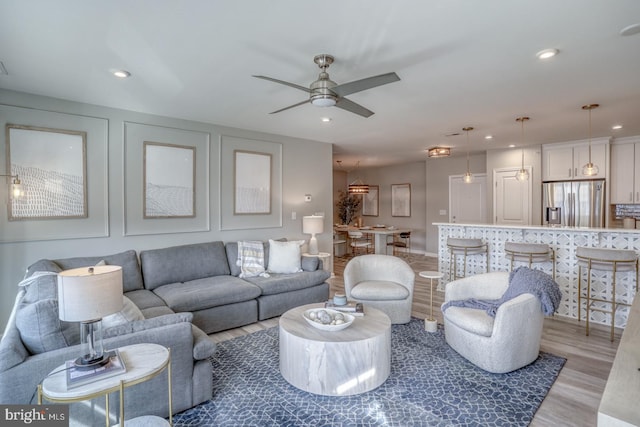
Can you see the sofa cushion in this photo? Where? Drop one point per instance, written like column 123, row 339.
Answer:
column 129, row 313
column 152, row 312
column 143, row 325
column 310, row 263
column 145, row 299
column 183, row 263
column 128, row 260
column 40, row 285
column 473, row 320
column 279, row 283
column 284, row 257
column 40, row 328
column 379, row 290
column 232, row 255
column 206, row 293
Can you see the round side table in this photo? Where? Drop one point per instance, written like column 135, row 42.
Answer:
column 431, row 324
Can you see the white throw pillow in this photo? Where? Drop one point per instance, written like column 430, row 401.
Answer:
column 284, row 257
column 129, row 313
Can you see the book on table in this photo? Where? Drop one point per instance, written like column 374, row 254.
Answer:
column 77, row 377
column 353, row 308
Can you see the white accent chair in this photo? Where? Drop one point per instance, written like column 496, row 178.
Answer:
column 384, row 282
column 502, row 344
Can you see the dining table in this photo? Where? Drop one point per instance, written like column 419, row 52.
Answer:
column 380, row 234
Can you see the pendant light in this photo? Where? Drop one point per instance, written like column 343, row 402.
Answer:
column 467, row 178
column 590, row 169
column 357, row 186
column 522, row 174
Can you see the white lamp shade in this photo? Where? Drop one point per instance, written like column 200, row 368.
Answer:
column 89, row 293
column 313, row 224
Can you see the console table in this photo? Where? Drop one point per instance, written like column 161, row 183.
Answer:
column 142, row 361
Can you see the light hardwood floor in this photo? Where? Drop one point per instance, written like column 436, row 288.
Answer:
column 574, row 398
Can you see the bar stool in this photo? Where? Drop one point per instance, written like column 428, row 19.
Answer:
column 613, row 260
column 530, row 253
column 465, row 247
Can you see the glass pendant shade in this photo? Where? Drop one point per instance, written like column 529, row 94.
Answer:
column 522, row 174
column 468, row 177
column 590, row 169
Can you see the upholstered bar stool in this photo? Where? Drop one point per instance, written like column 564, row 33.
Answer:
column 466, row 248
column 530, row 253
column 613, row 260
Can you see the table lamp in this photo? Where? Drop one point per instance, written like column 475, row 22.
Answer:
column 86, row 295
column 313, row 225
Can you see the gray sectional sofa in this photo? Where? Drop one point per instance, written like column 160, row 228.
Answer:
column 181, row 293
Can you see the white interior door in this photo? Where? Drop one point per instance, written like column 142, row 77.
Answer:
column 511, row 198
column 468, row 202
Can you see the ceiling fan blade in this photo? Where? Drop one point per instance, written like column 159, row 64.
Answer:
column 352, row 107
column 290, row 106
column 364, row 84
column 282, row 82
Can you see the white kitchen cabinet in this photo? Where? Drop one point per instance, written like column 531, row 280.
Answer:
column 625, row 173
column 562, row 162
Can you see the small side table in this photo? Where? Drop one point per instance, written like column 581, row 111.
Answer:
column 327, row 263
column 143, row 362
column 430, row 324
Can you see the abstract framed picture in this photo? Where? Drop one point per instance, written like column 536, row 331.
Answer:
column 370, row 202
column 168, row 181
column 51, row 165
column 252, row 183
column 400, row 199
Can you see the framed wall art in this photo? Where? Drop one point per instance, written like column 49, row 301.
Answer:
column 370, row 201
column 52, row 167
column 169, row 180
column 166, row 183
column 400, row 199
column 252, row 183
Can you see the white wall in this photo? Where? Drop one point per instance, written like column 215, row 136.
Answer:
column 299, row 177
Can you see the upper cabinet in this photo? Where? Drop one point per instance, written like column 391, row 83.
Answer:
column 562, row 162
column 625, row 173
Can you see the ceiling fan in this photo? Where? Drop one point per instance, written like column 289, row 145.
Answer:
column 324, row 92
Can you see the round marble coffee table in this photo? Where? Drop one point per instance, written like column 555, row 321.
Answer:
column 341, row 363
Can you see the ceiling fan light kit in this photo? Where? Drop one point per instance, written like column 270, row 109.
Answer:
column 324, row 92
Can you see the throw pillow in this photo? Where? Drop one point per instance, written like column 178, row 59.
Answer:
column 251, row 259
column 41, row 330
column 40, row 285
column 284, row 257
column 129, row 313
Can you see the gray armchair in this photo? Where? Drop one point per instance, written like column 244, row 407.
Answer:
column 383, row 282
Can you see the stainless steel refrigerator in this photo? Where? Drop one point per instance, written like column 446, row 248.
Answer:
column 574, row 203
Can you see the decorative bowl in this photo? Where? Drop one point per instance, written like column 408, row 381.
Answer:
column 311, row 316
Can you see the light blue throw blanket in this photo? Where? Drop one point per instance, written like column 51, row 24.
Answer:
column 522, row 280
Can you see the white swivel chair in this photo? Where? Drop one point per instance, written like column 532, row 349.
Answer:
column 499, row 344
column 381, row 281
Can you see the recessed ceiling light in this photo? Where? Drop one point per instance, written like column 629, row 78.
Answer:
column 547, row 53
column 630, row 30
column 616, row 127
column 488, row 137
column 122, row 74
column 326, row 119
column 512, row 146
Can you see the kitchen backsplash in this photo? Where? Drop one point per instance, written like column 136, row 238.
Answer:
column 626, row 211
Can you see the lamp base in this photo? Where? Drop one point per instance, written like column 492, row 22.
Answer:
column 313, row 245
column 83, row 363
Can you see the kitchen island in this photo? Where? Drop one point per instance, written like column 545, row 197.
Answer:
column 564, row 241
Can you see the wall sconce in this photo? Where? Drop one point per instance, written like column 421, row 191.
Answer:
column 16, row 187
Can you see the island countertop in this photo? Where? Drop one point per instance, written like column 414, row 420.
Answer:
column 564, row 241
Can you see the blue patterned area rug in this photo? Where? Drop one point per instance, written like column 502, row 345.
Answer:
column 429, row 385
